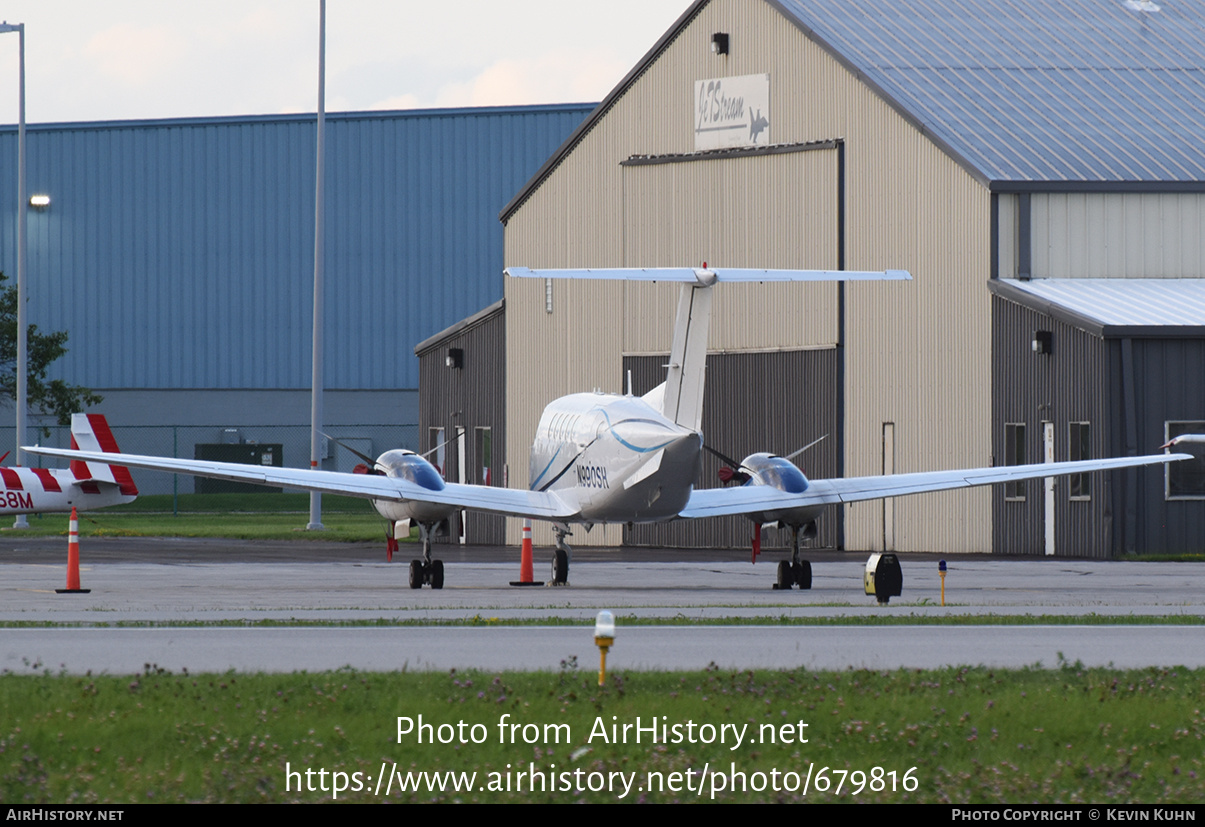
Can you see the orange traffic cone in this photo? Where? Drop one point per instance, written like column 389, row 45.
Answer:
column 73, row 559
column 526, row 577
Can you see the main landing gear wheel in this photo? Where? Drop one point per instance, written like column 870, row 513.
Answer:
column 426, row 571
column 423, row 574
column 560, row 568
column 795, row 572
column 803, row 574
column 786, row 576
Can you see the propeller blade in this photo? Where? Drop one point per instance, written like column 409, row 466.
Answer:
column 427, row 454
column 735, row 465
column 372, row 463
column 805, row 447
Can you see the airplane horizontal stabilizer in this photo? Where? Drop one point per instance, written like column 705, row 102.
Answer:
column 708, row 275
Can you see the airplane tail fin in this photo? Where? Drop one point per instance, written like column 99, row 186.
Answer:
column 90, row 432
column 683, row 396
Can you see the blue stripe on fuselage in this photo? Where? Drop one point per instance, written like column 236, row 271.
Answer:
column 536, row 481
column 629, row 445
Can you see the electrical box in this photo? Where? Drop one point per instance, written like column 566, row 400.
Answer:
column 263, row 454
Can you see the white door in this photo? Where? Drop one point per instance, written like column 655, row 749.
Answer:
column 462, row 473
column 1048, row 485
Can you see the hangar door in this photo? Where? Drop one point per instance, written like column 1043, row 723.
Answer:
column 775, row 210
column 773, row 381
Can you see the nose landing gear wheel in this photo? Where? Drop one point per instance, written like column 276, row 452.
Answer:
column 437, row 574
column 416, row 574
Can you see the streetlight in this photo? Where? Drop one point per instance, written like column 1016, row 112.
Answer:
column 315, row 523
column 22, row 243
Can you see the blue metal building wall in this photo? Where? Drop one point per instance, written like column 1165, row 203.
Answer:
column 179, row 253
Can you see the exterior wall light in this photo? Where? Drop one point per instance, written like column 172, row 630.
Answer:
column 39, row 202
column 455, row 358
column 1043, row 342
column 719, row 43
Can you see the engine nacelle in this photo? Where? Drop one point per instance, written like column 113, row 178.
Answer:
column 780, row 473
column 768, row 469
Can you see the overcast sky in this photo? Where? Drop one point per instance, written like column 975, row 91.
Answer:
column 120, row 59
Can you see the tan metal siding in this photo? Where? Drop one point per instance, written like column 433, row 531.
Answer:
column 766, row 211
column 1007, row 233
column 1116, row 235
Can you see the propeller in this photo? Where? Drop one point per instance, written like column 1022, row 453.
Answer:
column 459, row 434
column 794, row 454
column 732, row 471
column 370, row 466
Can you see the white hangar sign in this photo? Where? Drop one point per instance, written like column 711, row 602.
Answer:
column 732, row 112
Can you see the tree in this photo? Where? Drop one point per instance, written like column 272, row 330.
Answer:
column 48, row 398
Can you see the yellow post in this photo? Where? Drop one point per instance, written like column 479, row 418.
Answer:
column 604, row 643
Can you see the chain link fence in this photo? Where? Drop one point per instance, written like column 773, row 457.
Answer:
column 286, row 445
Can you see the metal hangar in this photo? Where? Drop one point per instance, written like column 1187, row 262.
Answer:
column 990, row 141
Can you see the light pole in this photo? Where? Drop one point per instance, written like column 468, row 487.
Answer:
column 315, row 523
column 22, row 244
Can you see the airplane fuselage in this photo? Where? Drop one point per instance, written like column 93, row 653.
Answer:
column 618, row 458
column 42, row 490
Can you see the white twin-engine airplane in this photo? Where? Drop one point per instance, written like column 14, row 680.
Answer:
column 607, row 458
column 84, row 485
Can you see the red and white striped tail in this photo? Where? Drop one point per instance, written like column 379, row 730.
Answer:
column 90, row 432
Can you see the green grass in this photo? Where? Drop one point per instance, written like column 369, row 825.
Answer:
column 349, row 528
column 238, row 516
column 258, row 502
column 973, row 735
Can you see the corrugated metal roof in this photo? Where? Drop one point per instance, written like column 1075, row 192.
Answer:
column 1048, row 95
column 1116, row 307
column 1056, row 90
column 460, row 327
column 179, row 253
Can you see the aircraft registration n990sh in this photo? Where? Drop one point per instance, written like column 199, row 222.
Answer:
column 612, row 458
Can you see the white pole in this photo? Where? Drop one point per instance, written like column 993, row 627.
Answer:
column 315, row 523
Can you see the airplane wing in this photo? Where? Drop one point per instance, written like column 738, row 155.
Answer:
column 719, row 502
column 514, row 502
